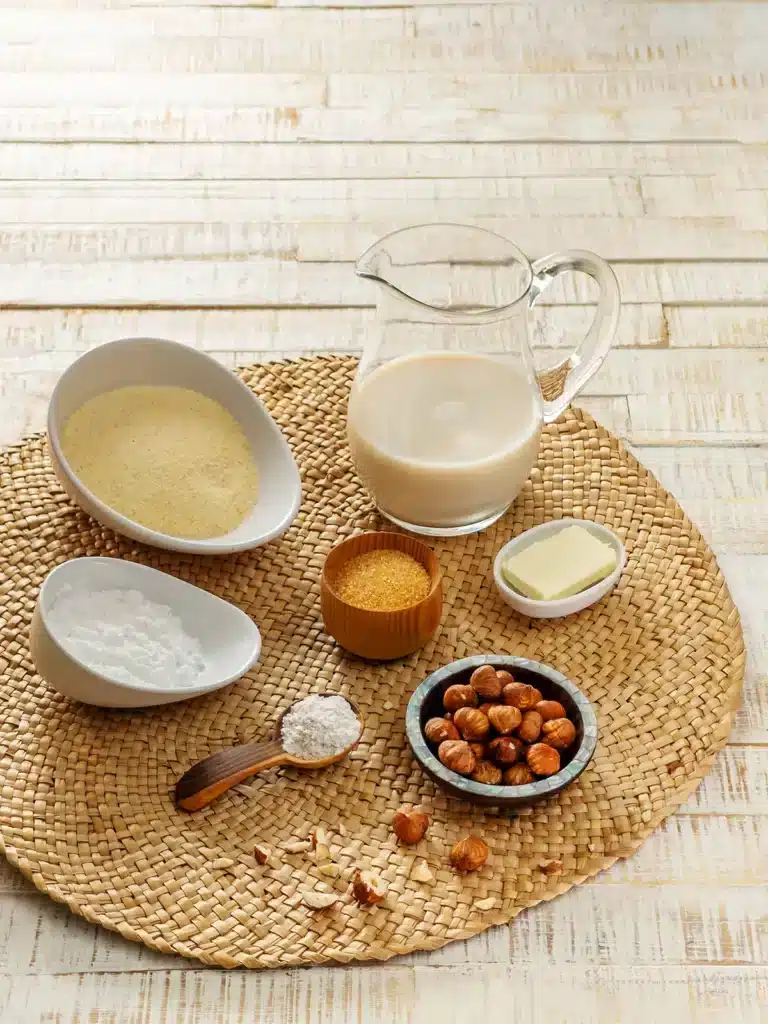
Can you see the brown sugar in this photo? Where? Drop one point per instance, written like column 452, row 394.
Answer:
column 383, row 580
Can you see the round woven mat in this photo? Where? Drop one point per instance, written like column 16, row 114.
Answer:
column 85, row 804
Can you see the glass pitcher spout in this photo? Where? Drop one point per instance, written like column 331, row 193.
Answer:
column 450, row 272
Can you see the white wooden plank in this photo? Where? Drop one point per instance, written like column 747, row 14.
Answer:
column 704, row 195
column 680, row 370
column 393, row 994
column 241, row 283
column 730, row 120
column 538, row 231
column 21, row 23
column 210, row 240
column 723, row 418
column 721, row 327
column 112, row 88
column 101, row 5
column 734, row 165
column 392, row 90
column 395, row 39
column 705, row 850
column 264, row 201
column 613, row 237
column 26, row 332
column 681, row 282
column 667, row 37
column 509, row 91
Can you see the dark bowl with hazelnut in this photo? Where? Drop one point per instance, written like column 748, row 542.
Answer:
column 501, row 730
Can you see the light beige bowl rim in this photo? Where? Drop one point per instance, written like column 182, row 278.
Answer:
column 129, row 527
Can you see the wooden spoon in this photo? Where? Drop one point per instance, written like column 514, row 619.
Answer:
column 214, row 775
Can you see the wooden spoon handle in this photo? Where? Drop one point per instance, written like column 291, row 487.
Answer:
column 216, row 774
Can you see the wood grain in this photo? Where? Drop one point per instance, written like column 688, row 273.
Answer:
column 737, row 119
column 387, row 995
column 134, row 161
column 235, row 283
column 208, row 170
column 644, row 239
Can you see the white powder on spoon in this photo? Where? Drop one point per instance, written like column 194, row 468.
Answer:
column 319, row 727
column 125, row 636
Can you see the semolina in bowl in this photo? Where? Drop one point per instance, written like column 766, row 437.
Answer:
column 232, row 443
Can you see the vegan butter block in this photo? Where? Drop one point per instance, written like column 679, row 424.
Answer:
column 561, row 565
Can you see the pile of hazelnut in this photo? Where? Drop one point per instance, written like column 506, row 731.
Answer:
column 499, row 731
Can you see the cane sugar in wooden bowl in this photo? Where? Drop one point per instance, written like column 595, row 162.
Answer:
column 381, row 595
column 382, row 580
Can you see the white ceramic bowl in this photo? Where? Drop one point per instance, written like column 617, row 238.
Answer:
column 147, row 361
column 565, row 605
column 230, row 641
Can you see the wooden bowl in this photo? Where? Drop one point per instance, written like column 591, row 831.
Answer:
column 378, row 635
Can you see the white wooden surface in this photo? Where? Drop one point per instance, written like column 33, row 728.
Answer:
column 208, row 171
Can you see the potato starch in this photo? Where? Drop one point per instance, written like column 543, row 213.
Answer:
column 127, row 637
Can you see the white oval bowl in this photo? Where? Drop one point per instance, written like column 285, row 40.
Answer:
column 153, row 361
column 230, row 641
column 564, row 605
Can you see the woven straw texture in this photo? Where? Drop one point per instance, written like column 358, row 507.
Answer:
column 85, row 804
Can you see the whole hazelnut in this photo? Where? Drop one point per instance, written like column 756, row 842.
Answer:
column 437, row 729
column 505, row 750
column 559, row 733
column 521, row 695
column 518, row 775
column 410, row 826
column 504, row 677
column 529, row 729
column 469, row 854
column 485, row 682
column 487, row 773
column 456, row 755
column 543, row 759
column 459, row 696
column 471, row 723
column 505, row 719
column 478, row 749
column 549, row 709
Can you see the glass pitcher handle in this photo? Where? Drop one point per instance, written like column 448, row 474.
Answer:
column 589, row 354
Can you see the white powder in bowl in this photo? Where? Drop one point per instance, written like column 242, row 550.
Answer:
column 125, row 636
column 319, row 727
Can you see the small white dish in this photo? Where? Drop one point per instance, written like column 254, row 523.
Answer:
column 564, row 605
column 230, row 640
column 153, row 361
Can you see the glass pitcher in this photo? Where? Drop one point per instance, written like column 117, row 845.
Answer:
column 446, row 410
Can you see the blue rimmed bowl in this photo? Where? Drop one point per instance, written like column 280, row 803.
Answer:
column 427, row 702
